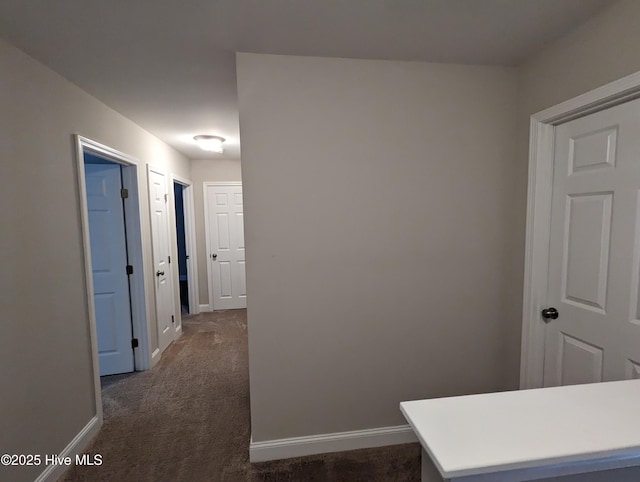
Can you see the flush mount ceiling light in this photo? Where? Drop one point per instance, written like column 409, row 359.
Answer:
column 210, row 143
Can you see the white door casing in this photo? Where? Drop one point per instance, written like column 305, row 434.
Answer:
column 594, row 249
column 142, row 354
column 158, row 197
column 224, row 226
column 109, row 262
column 537, row 259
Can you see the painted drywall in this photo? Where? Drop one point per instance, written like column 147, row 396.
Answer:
column 601, row 51
column 204, row 170
column 45, row 360
column 375, row 199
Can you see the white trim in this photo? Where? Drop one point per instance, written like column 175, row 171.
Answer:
column 330, row 442
column 207, row 235
column 88, row 274
column 536, row 253
column 134, row 247
column 190, row 241
column 155, row 357
column 541, row 147
column 205, row 308
column 614, row 93
column 75, row 447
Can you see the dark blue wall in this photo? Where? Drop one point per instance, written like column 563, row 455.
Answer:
column 93, row 159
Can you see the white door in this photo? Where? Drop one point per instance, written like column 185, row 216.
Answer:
column 108, row 264
column 158, row 197
column 225, row 246
column 595, row 250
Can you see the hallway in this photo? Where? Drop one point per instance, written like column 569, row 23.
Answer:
column 188, row 419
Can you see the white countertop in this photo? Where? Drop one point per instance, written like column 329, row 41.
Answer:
column 478, row 434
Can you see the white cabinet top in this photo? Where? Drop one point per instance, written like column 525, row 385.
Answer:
column 477, row 434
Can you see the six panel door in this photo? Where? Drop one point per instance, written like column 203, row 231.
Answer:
column 594, row 253
column 108, row 264
column 161, row 252
column 225, row 246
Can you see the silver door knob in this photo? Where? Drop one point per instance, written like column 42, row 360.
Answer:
column 214, row 256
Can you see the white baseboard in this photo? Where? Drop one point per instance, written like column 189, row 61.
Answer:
column 331, row 442
column 155, row 357
column 204, row 308
column 75, row 447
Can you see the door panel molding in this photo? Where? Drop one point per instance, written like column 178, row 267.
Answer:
column 130, row 175
column 540, row 178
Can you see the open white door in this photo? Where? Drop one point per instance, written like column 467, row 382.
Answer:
column 161, row 256
column 109, row 268
column 225, row 245
column 594, row 250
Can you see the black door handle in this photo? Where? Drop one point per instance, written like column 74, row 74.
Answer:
column 159, row 273
column 550, row 313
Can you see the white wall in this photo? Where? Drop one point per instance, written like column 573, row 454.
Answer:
column 204, row 170
column 45, row 365
column 375, row 200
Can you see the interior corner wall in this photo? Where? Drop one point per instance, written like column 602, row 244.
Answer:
column 602, row 50
column 375, row 200
column 205, row 170
column 46, row 369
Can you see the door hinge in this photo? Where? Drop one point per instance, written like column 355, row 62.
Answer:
column 124, row 193
column 129, row 269
column 169, row 258
column 134, row 343
column 173, row 320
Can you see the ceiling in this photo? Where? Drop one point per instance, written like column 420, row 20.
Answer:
column 169, row 65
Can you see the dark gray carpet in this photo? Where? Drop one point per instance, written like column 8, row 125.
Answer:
column 187, row 419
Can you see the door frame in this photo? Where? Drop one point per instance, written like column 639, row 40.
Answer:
column 190, row 241
column 538, row 228
column 207, row 232
column 129, row 165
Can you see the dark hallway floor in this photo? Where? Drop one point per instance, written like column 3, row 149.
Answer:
column 187, row 419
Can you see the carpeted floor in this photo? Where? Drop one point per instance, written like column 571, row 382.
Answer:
column 187, row 419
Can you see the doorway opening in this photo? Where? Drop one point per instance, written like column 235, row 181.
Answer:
column 185, row 241
column 112, row 244
column 182, row 248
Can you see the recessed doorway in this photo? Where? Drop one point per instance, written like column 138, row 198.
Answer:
column 112, row 243
column 185, row 241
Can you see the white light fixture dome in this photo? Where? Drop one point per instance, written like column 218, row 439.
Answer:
column 210, row 143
